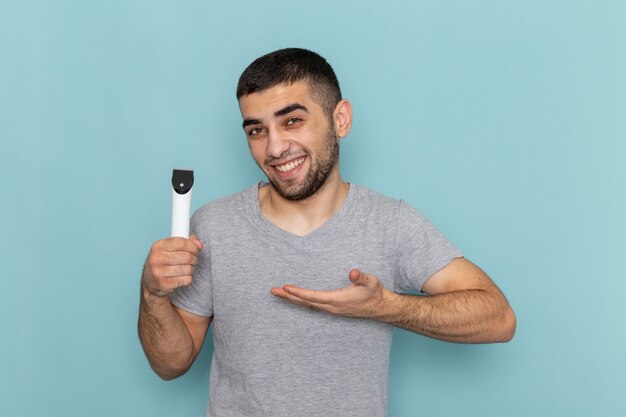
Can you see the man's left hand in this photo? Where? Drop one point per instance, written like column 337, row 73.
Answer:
column 364, row 297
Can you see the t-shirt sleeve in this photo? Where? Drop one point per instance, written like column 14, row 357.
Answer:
column 197, row 298
column 421, row 250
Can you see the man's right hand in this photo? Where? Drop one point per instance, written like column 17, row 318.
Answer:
column 171, row 337
column 170, row 265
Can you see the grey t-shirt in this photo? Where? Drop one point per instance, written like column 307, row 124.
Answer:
column 273, row 358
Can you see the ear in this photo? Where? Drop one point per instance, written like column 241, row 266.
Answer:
column 342, row 117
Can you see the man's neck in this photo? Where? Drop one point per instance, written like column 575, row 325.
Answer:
column 302, row 217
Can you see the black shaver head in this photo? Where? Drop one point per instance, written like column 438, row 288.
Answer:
column 182, row 181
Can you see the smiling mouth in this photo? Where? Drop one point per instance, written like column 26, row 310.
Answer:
column 290, row 165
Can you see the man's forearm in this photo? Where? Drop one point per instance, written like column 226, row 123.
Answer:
column 468, row 316
column 164, row 337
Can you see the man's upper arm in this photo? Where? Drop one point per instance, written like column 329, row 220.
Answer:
column 460, row 274
column 197, row 327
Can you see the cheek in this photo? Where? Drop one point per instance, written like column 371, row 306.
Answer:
column 257, row 150
column 313, row 141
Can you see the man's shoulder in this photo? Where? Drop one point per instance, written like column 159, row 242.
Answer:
column 227, row 207
column 371, row 199
column 372, row 194
column 371, row 202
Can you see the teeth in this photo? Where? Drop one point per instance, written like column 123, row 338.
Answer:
column 289, row 166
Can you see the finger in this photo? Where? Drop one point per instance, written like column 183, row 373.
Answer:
column 171, row 284
column 280, row 292
column 314, row 296
column 168, row 272
column 174, row 244
column 177, row 271
column 184, row 281
column 178, row 258
column 167, row 259
column 166, row 286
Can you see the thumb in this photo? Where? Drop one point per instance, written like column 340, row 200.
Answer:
column 197, row 241
column 359, row 277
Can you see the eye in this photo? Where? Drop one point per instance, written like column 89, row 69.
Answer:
column 255, row 131
column 293, row 120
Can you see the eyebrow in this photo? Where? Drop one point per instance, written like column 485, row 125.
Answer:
column 285, row 110
column 247, row 122
column 288, row 109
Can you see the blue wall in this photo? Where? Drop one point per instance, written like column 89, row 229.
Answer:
column 504, row 122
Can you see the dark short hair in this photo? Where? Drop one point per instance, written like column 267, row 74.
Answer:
column 290, row 65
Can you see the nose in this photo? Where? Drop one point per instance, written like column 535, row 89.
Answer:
column 277, row 144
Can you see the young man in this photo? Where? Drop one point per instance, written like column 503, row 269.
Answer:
column 305, row 276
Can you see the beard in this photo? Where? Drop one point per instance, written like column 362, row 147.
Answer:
column 316, row 177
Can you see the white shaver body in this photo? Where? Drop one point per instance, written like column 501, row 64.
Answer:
column 182, row 187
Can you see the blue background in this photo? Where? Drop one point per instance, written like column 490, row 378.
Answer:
column 503, row 122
